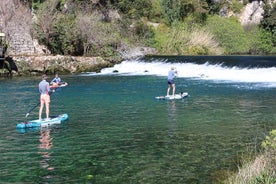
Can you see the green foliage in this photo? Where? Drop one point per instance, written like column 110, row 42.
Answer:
column 270, row 141
column 182, row 39
column 160, row 36
column 56, row 30
column 236, row 6
column 261, row 41
column 269, row 18
column 144, row 31
column 61, row 29
column 173, row 40
column 36, row 3
column 135, row 8
column 269, row 21
column 229, row 33
column 264, row 178
column 214, row 7
column 197, row 50
column 67, row 40
column 177, row 10
column 98, row 37
column 156, row 12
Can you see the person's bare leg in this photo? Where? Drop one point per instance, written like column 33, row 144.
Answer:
column 47, row 110
column 173, row 86
column 40, row 110
column 168, row 90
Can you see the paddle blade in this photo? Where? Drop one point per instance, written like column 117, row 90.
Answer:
column 27, row 114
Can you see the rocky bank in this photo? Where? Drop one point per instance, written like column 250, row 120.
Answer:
column 35, row 65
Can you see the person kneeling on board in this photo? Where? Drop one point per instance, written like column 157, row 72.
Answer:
column 56, row 81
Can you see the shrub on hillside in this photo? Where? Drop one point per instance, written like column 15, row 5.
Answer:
column 229, row 33
column 261, row 41
column 173, row 40
column 203, row 43
column 98, row 37
column 182, row 40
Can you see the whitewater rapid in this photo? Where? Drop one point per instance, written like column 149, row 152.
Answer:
column 205, row 71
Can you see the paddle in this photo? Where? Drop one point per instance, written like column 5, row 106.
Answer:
column 28, row 113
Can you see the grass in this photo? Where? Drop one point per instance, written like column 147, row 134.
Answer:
column 262, row 170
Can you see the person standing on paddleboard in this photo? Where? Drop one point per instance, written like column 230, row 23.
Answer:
column 171, row 84
column 44, row 89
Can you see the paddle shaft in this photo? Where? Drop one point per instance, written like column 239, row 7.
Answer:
column 32, row 109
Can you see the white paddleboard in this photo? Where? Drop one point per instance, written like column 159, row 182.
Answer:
column 172, row 97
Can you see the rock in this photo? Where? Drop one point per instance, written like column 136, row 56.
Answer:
column 132, row 53
column 63, row 64
column 252, row 13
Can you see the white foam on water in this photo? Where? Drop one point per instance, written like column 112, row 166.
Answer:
column 205, row 71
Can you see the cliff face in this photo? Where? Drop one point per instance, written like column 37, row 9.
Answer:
column 252, row 13
column 16, row 22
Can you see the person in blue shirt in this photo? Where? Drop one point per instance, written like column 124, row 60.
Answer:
column 56, row 81
column 44, row 89
column 171, row 75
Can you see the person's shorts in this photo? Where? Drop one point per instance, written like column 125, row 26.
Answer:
column 170, row 82
column 45, row 98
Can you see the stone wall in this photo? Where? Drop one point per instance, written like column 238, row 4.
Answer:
column 16, row 22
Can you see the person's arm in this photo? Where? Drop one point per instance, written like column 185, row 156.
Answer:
column 175, row 73
column 39, row 89
column 54, row 79
column 48, row 88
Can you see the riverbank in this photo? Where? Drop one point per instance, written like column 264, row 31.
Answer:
column 262, row 168
column 66, row 64
column 34, row 65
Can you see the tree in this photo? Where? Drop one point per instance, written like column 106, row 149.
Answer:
column 176, row 10
column 269, row 21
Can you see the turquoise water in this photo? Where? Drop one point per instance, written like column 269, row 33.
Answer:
column 118, row 133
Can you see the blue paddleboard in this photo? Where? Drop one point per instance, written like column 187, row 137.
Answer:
column 44, row 122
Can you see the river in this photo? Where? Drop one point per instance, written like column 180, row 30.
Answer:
column 118, row 132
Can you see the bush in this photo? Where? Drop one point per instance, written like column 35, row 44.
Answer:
column 182, row 40
column 229, row 33
column 270, row 141
column 57, row 30
column 202, row 42
column 261, row 41
column 236, row 6
column 174, row 40
column 98, row 37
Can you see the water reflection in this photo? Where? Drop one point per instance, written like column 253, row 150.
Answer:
column 45, row 145
column 171, row 109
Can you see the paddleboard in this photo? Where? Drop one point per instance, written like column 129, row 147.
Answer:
column 55, row 85
column 44, row 122
column 172, row 97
